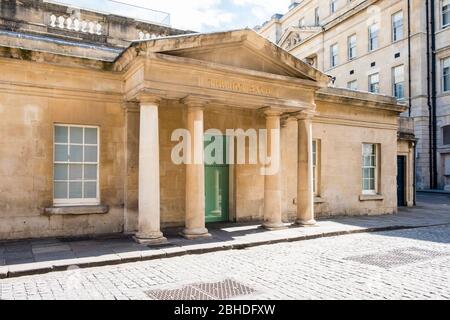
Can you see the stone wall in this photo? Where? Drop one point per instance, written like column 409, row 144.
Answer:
column 34, row 97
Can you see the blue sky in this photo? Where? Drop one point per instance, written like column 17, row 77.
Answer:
column 201, row 15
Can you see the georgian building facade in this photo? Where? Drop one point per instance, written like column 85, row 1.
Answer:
column 398, row 48
column 87, row 135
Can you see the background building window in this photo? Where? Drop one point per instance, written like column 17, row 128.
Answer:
column 397, row 26
column 333, row 6
column 373, row 37
column 374, row 83
column 352, row 85
column 334, row 55
column 316, row 17
column 76, row 165
column 301, row 23
column 445, row 13
column 369, row 169
column 352, row 47
column 398, row 82
column 446, row 135
column 446, row 74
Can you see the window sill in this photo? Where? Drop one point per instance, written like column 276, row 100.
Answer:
column 77, row 210
column 371, row 197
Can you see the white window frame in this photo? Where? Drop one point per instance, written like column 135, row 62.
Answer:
column 334, row 62
column 349, row 85
column 377, row 33
column 374, row 168
column 316, row 17
column 395, row 82
column 333, row 6
column 301, row 22
column 445, row 12
column 444, row 62
column 82, row 201
column 350, row 47
column 370, row 82
column 394, row 37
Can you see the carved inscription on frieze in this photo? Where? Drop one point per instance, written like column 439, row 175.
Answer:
column 240, row 87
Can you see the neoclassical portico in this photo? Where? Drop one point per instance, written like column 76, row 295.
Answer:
column 234, row 70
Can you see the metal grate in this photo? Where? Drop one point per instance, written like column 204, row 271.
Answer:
column 226, row 289
column 185, row 293
column 222, row 290
column 398, row 257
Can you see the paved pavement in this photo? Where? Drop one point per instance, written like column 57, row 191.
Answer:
column 402, row 264
column 45, row 255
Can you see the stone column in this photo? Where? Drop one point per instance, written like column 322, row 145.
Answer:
column 195, row 173
column 305, row 190
column 272, row 178
column 149, row 188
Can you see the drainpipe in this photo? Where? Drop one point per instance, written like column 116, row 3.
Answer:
column 415, row 174
column 434, row 92
column 430, row 125
column 409, row 59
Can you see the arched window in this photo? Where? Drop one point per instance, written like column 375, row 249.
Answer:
column 446, row 134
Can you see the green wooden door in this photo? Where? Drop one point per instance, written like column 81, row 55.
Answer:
column 217, row 177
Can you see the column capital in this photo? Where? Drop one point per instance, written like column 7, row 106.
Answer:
column 195, row 101
column 149, row 99
column 271, row 112
column 130, row 106
column 286, row 118
column 305, row 115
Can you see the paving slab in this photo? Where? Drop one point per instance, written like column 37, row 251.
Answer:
column 52, row 256
column 50, row 248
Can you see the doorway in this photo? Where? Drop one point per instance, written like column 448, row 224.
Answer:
column 217, row 177
column 401, row 181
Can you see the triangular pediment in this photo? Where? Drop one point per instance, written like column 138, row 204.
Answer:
column 293, row 36
column 240, row 49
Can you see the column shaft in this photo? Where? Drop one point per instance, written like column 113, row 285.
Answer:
column 305, row 190
column 149, row 187
column 195, row 178
column 272, row 178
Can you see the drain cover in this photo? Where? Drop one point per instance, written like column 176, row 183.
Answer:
column 185, row 293
column 398, row 257
column 222, row 290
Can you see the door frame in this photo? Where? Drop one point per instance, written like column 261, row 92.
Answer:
column 405, row 180
column 231, row 215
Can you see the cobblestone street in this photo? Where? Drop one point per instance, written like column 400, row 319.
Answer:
column 408, row 264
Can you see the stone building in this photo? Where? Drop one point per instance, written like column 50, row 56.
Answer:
column 381, row 46
column 88, row 123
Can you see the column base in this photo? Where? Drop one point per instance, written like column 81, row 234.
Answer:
column 193, row 234
column 273, row 226
column 150, row 240
column 305, row 223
